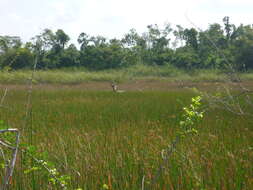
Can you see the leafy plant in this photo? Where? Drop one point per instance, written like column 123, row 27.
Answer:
column 33, row 159
column 192, row 115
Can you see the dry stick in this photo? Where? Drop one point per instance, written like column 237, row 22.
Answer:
column 2, row 153
column 165, row 157
column 5, row 144
column 4, row 159
column 143, row 183
column 69, row 167
column 28, row 101
column 9, row 170
column 3, row 97
column 225, row 102
column 30, row 88
column 10, row 167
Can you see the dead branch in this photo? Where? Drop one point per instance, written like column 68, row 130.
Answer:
column 10, row 166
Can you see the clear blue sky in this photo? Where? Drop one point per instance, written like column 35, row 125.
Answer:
column 113, row 18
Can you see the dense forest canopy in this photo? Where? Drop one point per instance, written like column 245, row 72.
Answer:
column 185, row 48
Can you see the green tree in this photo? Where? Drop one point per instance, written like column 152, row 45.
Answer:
column 228, row 27
column 83, row 40
column 242, row 48
column 50, row 48
column 186, row 58
column 61, row 38
column 191, row 38
column 18, row 58
column 179, row 36
column 212, row 44
column 157, row 40
column 70, row 57
column 9, row 42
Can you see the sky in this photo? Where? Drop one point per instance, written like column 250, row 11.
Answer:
column 114, row 18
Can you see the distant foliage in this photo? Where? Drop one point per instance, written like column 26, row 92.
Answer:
column 189, row 49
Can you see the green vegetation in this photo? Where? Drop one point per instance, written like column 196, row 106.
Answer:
column 217, row 47
column 133, row 73
column 107, row 140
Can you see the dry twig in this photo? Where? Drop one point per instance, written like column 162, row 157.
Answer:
column 11, row 164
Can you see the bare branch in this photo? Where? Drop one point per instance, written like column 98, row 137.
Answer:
column 10, row 167
column 143, row 183
column 3, row 97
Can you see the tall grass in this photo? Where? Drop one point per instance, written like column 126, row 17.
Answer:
column 137, row 72
column 114, row 139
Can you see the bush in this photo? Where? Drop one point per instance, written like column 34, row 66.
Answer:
column 17, row 58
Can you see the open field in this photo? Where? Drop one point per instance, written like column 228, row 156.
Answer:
column 101, row 137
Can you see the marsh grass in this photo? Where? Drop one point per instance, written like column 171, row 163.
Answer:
column 137, row 72
column 108, row 138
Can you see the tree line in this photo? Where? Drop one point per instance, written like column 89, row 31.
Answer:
column 217, row 47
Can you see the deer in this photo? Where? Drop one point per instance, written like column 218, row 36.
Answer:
column 115, row 88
